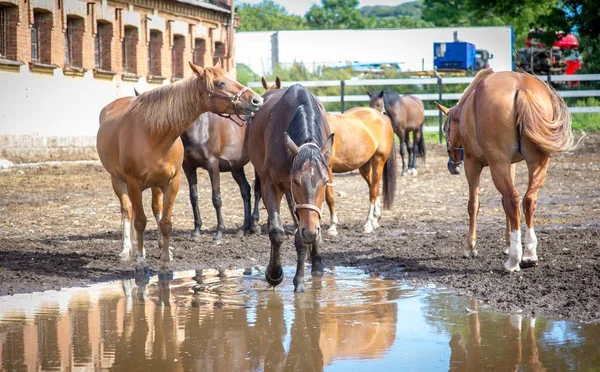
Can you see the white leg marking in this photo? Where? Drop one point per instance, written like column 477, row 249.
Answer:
column 126, row 242
column 368, row 228
column 515, row 253
column 377, row 212
column 532, row 322
column 516, row 320
column 332, row 231
column 530, row 246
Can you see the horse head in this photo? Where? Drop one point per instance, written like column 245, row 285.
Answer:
column 227, row 96
column 309, row 178
column 376, row 101
column 456, row 154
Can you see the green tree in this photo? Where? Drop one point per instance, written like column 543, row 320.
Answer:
column 268, row 16
column 335, row 14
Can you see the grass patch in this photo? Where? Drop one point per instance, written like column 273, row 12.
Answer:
column 587, row 122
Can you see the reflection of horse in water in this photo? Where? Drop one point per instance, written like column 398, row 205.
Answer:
column 470, row 355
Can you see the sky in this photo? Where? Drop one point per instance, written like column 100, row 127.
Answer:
column 301, row 6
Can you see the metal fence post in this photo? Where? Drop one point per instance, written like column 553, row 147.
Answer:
column 441, row 93
column 342, row 85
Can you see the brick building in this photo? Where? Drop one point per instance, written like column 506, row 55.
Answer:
column 61, row 61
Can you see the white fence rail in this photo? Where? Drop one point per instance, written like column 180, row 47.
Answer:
column 441, row 82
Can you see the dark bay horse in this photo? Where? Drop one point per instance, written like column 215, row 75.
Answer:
column 503, row 118
column 364, row 140
column 217, row 144
column 291, row 152
column 139, row 145
column 407, row 115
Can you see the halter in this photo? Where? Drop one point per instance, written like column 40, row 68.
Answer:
column 304, row 206
column 233, row 99
column 450, row 147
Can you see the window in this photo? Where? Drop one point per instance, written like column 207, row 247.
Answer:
column 154, row 49
column 177, row 56
column 129, row 51
column 199, row 52
column 219, row 54
column 102, row 46
column 41, row 41
column 73, row 42
column 8, row 32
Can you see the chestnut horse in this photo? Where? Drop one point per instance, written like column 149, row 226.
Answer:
column 138, row 143
column 291, row 152
column 501, row 119
column 407, row 115
column 364, row 140
column 217, row 144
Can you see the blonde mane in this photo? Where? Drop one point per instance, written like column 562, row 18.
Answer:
column 173, row 106
column 471, row 88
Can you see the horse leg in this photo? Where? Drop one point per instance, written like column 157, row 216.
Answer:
column 411, row 150
column 254, row 226
column 416, row 140
column 215, row 182
column 402, row 141
column 240, row 177
column 272, row 199
column 316, row 269
column 376, row 174
column 134, row 190
column 537, row 175
column 330, row 199
column 365, row 172
column 157, row 201
column 301, row 250
column 473, row 173
column 120, row 189
column 166, row 226
column 501, row 175
column 192, row 177
column 513, row 168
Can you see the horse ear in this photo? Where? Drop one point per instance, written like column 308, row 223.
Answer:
column 264, row 83
column 443, row 109
column 199, row 71
column 380, row 94
column 327, row 147
column 277, row 82
column 369, row 94
column 291, row 146
column 136, row 92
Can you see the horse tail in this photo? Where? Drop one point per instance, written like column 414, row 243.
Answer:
column 549, row 135
column 389, row 177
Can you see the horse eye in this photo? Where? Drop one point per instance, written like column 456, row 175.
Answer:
column 296, row 181
column 220, row 84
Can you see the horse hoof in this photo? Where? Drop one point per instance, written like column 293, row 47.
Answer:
column 332, row 232
column 125, row 256
column 414, row 172
column 511, row 267
column 367, row 229
column 318, row 273
column 247, row 271
column 195, row 235
column 274, row 278
column 404, row 174
column 168, row 257
column 141, row 265
column 256, row 229
column 217, row 240
column 299, row 288
column 527, row 263
column 505, row 251
column 239, row 233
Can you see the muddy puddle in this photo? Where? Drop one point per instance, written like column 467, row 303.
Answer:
column 211, row 321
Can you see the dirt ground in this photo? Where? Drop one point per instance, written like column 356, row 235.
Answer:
column 59, row 226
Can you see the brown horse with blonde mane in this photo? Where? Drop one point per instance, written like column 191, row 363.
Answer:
column 503, row 118
column 291, row 152
column 138, row 143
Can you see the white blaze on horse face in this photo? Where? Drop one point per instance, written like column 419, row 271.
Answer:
column 530, row 245
column 515, row 252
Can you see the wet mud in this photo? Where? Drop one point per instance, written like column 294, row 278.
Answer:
column 60, row 226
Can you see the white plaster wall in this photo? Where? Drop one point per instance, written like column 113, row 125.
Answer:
column 331, row 47
column 36, row 104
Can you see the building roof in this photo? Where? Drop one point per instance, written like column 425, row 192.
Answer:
column 204, row 4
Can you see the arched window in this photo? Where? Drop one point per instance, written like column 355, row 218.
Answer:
column 41, row 40
column 219, row 54
column 177, row 56
column 199, row 52
column 74, row 42
column 102, row 46
column 154, row 53
column 129, row 50
column 9, row 17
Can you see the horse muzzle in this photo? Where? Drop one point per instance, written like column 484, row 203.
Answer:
column 310, row 236
column 454, row 168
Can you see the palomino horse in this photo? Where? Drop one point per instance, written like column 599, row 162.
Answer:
column 138, row 144
column 291, row 152
column 364, row 140
column 407, row 115
column 217, row 144
column 503, row 118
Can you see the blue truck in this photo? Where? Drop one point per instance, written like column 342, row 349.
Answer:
column 457, row 55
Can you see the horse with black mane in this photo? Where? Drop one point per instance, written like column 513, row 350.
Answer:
column 291, row 152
